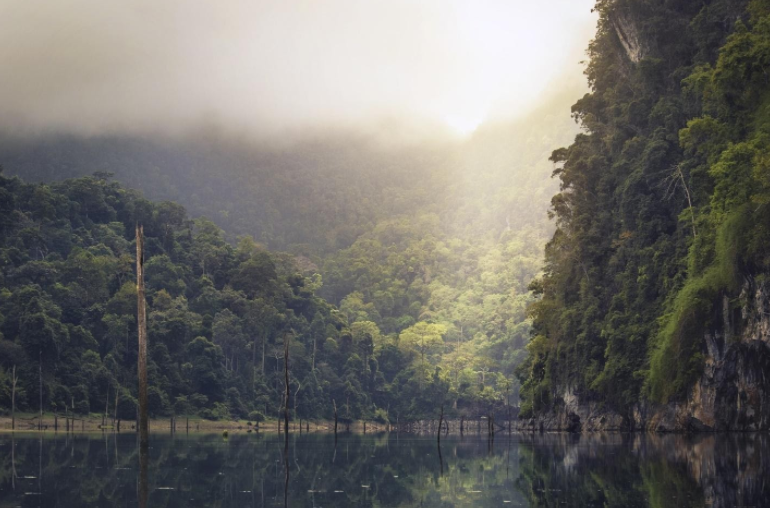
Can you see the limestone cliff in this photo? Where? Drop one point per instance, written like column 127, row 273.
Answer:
column 732, row 393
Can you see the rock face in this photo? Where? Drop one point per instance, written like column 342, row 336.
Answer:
column 628, row 35
column 732, row 393
column 575, row 416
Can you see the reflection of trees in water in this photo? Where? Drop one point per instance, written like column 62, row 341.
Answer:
column 380, row 470
column 645, row 470
column 369, row 470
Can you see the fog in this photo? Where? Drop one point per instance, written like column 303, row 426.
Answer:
column 271, row 68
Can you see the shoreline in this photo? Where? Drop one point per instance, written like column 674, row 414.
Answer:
column 91, row 424
column 81, row 424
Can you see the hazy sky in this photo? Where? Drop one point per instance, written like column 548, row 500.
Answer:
column 91, row 66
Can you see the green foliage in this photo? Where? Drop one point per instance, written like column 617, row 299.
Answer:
column 218, row 316
column 441, row 233
column 662, row 211
column 256, row 416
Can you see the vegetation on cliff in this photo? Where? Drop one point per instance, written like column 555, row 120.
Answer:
column 663, row 205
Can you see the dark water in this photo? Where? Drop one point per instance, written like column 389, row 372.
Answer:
column 550, row 470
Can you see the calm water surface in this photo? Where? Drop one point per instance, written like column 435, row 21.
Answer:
column 382, row 470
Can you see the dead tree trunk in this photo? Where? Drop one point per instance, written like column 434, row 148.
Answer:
column 335, row 417
column 312, row 359
column 440, row 423
column 253, row 363
column 296, row 404
column 106, row 406
column 286, row 380
column 142, row 325
column 14, row 380
column 115, row 417
column 40, row 386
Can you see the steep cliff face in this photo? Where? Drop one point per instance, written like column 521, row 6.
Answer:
column 654, row 300
column 732, row 393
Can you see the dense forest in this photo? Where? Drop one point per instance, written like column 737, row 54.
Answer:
column 663, row 222
column 219, row 316
column 405, row 281
column 411, row 276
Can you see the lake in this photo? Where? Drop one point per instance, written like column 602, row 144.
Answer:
column 385, row 470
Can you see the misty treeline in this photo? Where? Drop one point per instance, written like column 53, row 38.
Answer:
column 218, row 315
column 422, row 253
column 663, row 223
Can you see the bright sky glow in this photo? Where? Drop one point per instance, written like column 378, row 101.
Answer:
column 91, row 66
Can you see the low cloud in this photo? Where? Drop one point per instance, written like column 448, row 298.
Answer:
column 271, row 67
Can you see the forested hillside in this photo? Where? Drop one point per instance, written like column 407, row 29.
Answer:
column 655, row 280
column 432, row 302
column 427, row 250
column 218, row 316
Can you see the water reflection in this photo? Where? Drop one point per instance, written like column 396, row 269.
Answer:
column 384, row 470
column 144, row 471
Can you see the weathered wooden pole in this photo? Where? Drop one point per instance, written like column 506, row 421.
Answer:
column 440, row 422
column 141, row 314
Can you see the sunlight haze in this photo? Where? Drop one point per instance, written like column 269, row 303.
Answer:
column 88, row 67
